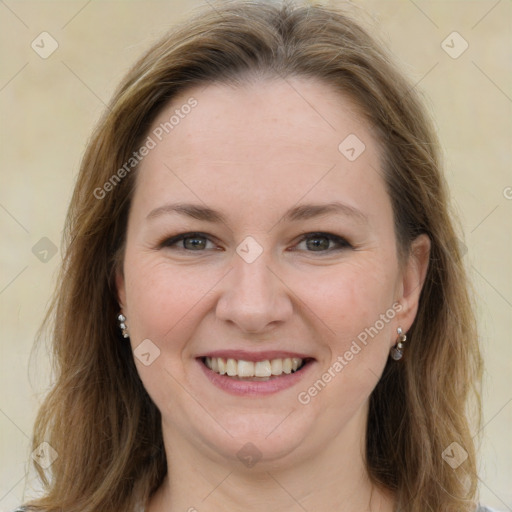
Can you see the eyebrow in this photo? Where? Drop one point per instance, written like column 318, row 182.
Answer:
column 301, row 212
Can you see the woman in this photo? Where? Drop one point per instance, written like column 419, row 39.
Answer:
column 261, row 304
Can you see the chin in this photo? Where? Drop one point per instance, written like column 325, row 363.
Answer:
column 266, row 440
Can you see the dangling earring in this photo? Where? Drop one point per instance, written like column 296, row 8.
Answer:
column 397, row 351
column 122, row 325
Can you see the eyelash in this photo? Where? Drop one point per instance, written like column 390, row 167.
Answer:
column 342, row 242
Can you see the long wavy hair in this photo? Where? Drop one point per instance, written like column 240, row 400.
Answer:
column 99, row 418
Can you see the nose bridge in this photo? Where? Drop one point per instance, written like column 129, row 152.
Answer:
column 252, row 297
column 254, row 281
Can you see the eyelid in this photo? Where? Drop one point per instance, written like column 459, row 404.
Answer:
column 173, row 240
column 343, row 243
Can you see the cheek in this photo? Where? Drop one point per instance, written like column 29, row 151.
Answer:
column 355, row 303
column 165, row 304
column 351, row 297
column 162, row 299
column 350, row 302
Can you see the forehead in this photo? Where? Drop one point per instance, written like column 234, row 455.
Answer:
column 269, row 140
column 281, row 112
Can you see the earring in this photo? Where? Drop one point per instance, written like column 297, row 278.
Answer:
column 122, row 325
column 397, row 351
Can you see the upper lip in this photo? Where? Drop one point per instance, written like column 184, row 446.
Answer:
column 255, row 356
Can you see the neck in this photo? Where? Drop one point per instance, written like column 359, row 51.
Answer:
column 333, row 479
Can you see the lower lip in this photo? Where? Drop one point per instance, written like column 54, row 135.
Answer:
column 256, row 388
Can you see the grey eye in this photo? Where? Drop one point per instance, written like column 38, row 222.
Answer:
column 194, row 243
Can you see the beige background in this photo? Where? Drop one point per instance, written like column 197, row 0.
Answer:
column 49, row 106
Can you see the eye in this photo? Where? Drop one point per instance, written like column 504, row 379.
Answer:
column 323, row 242
column 314, row 242
column 187, row 242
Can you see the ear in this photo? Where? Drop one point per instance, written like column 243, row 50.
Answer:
column 412, row 280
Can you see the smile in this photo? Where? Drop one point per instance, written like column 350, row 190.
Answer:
column 252, row 375
column 254, row 370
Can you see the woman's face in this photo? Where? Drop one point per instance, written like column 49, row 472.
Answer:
column 288, row 258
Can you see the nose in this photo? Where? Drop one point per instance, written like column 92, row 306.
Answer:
column 253, row 297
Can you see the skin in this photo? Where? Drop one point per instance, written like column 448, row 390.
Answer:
column 252, row 152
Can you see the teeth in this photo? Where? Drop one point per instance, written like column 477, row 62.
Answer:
column 241, row 368
column 231, row 367
column 245, row 368
column 262, row 368
column 276, row 365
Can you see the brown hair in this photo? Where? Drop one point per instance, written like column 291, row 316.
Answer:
column 98, row 416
